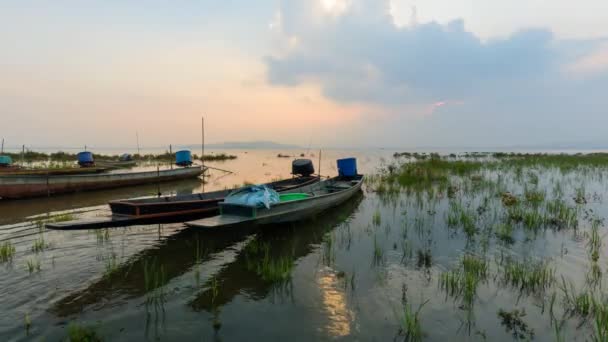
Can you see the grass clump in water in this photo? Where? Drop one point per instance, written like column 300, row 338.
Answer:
column 504, row 232
column 39, row 245
column 33, row 265
column 462, row 282
column 528, row 276
column 82, row 333
column 7, row 251
column 376, row 219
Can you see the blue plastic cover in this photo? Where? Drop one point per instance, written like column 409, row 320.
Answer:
column 255, row 196
column 5, row 160
column 347, row 167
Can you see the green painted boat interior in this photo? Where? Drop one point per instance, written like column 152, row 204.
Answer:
column 293, row 197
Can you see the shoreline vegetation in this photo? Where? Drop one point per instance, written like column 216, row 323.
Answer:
column 65, row 157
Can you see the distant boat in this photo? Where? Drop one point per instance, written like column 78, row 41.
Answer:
column 169, row 208
column 15, row 186
column 295, row 205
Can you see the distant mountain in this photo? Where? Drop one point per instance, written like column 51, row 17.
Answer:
column 260, row 145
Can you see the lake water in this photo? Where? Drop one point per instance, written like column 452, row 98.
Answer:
column 343, row 275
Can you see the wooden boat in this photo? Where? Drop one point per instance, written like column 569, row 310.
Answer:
column 52, row 171
column 295, row 205
column 115, row 164
column 23, row 186
column 170, row 208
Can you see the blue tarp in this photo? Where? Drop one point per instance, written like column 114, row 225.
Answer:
column 255, row 196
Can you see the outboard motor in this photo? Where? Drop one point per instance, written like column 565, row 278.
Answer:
column 126, row 157
column 302, row 167
column 85, row 159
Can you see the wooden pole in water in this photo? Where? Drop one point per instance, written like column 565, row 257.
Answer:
column 319, row 164
column 171, row 154
column 158, row 178
column 23, row 156
column 203, row 149
column 2, row 150
column 137, row 139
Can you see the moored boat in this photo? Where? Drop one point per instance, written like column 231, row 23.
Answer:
column 169, row 208
column 289, row 206
column 16, row 170
column 15, row 186
column 182, row 207
column 294, row 205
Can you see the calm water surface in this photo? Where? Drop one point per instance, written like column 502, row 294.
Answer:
column 343, row 275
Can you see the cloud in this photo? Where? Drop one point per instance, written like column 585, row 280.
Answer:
column 361, row 56
column 364, row 56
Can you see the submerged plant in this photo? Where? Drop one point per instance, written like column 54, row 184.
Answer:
column 514, row 323
column 82, row 333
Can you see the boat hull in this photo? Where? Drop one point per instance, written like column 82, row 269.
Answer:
column 283, row 213
column 204, row 203
column 18, row 186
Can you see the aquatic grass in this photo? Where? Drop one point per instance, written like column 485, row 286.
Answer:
column 111, row 265
column 462, row 281
column 270, row 268
column 378, row 254
column 514, row 323
column 27, row 320
column 595, row 242
column 39, row 245
column 62, row 217
column 458, row 216
column 102, row 236
column 33, row 265
column 83, row 333
column 7, row 251
column 534, row 197
column 560, row 215
column 600, row 332
column 155, row 279
column 410, row 326
column 504, row 232
column 376, row 219
column 528, row 275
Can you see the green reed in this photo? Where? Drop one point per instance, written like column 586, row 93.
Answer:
column 33, row 265
column 462, row 282
column 527, row 275
column 7, row 251
column 155, row 279
column 83, row 333
column 39, row 245
column 111, row 265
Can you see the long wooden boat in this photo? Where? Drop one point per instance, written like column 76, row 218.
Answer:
column 296, row 204
column 115, row 164
column 170, row 208
column 23, row 186
column 51, row 171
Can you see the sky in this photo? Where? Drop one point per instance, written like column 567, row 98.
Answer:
column 328, row 73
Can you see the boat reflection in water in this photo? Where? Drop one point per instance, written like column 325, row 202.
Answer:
column 260, row 269
column 263, row 268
